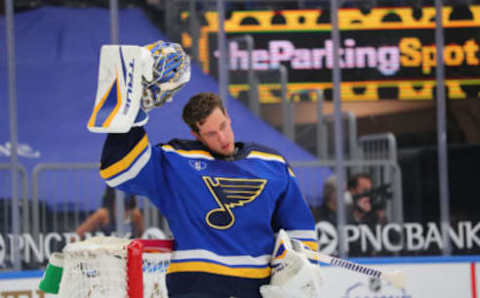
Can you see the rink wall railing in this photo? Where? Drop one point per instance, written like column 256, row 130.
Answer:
column 65, row 194
column 458, row 276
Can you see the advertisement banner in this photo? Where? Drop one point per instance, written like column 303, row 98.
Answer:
column 387, row 54
column 410, row 238
column 426, row 277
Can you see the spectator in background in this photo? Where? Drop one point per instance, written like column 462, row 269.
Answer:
column 360, row 213
column 328, row 210
column 368, row 209
column 360, row 187
column 368, row 203
column 103, row 220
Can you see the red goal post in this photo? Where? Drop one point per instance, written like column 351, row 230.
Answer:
column 115, row 267
column 135, row 263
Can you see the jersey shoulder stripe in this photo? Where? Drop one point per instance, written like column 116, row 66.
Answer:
column 188, row 153
column 262, row 152
column 187, row 148
column 265, row 156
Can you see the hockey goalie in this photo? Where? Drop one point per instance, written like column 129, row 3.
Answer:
column 225, row 200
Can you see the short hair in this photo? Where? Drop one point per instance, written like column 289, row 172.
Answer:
column 353, row 181
column 199, row 107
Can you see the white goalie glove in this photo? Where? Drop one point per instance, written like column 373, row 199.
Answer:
column 132, row 80
column 293, row 275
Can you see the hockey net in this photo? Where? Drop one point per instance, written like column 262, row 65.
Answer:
column 113, row 267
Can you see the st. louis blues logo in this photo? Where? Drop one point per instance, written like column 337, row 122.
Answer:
column 197, row 164
column 230, row 193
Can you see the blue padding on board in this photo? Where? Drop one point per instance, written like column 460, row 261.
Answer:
column 386, row 260
column 418, row 260
column 21, row 274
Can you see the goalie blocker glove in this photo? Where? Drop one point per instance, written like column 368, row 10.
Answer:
column 293, row 275
column 132, row 80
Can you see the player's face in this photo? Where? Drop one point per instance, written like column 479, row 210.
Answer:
column 216, row 133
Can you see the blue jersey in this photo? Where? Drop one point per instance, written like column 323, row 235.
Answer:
column 223, row 212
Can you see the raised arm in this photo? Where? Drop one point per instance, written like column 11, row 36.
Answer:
column 131, row 81
column 94, row 222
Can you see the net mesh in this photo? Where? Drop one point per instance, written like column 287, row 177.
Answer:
column 98, row 268
column 155, row 267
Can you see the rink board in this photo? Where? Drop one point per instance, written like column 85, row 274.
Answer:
column 439, row 277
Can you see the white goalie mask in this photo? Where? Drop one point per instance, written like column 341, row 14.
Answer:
column 171, row 70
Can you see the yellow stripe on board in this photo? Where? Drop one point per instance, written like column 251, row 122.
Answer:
column 219, row 269
column 125, row 162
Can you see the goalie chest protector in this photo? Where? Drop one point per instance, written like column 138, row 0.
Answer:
column 223, row 212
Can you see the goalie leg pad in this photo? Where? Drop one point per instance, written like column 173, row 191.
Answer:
column 292, row 273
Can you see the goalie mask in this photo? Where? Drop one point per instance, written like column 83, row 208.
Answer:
column 171, row 70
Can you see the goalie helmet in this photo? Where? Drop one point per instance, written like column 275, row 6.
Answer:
column 171, row 71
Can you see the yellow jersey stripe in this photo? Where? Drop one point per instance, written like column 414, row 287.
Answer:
column 219, row 269
column 125, row 162
column 290, row 171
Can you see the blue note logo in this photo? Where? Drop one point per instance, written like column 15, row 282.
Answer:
column 230, row 193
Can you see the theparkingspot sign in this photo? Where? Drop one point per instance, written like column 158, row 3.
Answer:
column 386, row 54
